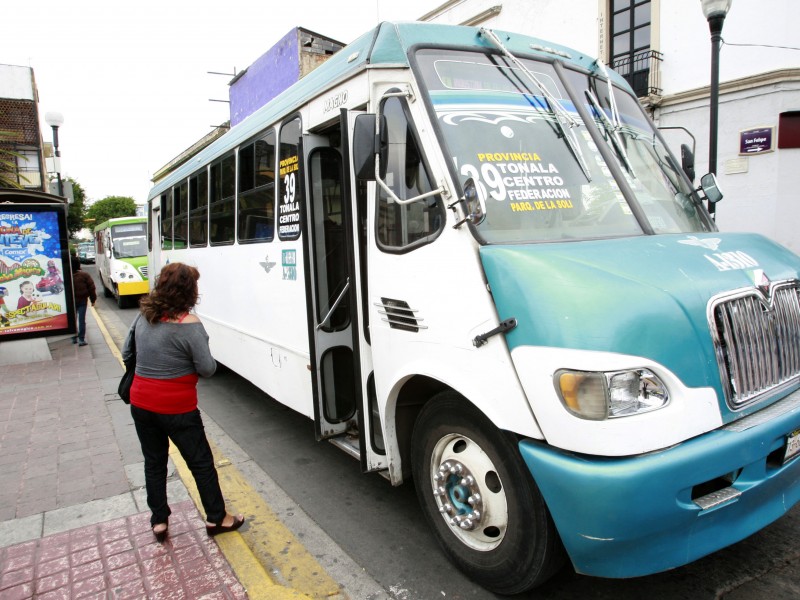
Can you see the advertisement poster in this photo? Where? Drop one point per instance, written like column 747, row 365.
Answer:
column 35, row 276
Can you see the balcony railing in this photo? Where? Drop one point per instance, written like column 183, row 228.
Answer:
column 642, row 71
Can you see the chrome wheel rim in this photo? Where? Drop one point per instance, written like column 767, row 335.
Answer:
column 468, row 492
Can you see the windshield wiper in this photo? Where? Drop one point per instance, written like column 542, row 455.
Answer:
column 615, row 122
column 611, row 131
column 559, row 112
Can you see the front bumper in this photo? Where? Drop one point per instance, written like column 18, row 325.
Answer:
column 133, row 288
column 626, row 517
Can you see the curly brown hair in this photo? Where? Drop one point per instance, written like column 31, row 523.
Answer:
column 174, row 295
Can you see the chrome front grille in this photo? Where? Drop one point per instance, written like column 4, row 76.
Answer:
column 143, row 271
column 757, row 338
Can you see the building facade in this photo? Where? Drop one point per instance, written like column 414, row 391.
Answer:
column 19, row 122
column 298, row 53
column 663, row 49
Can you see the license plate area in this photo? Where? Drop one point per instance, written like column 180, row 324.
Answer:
column 792, row 446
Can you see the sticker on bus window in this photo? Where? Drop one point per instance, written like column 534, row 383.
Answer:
column 527, row 181
column 289, row 206
column 289, row 264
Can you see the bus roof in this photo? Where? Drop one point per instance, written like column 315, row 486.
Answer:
column 387, row 46
column 119, row 221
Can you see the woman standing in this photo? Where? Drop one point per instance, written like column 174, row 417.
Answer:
column 172, row 350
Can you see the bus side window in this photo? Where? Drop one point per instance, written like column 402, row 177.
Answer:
column 290, row 195
column 198, row 210
column 166, row 220
column 256, row 197
column 181, row 219
column 401, row 227
column 223, row 201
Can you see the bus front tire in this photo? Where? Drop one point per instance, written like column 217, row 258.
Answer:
column 480, row 499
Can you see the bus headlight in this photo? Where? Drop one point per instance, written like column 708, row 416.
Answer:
column 126, row 271
column 608, row 395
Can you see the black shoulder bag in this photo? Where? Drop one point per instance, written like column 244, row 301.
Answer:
column 126, row 381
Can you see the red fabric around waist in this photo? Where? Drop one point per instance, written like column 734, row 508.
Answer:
column 165, row 396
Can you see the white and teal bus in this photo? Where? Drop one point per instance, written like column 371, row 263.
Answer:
column 471, row 259
column 121, row 258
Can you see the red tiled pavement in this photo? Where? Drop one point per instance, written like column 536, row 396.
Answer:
column 121, row 559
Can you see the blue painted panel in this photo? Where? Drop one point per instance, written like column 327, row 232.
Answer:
column 272, row 73
column 644, row 296
column 635, row 516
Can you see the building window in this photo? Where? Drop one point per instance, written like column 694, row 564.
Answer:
column 29, row 174
column 631, row 55
column 789, row 130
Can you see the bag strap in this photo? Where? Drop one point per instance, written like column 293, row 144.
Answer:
column 133, row 333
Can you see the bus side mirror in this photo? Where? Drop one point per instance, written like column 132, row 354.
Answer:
column 710, row 187
column 474, row 208
column 687, row 162
column 367, row 143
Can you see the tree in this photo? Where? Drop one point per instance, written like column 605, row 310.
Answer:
column 111, row 207
column 77, row 210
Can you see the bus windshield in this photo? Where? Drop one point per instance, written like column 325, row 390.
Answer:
column 129, row 240
column 537, row 166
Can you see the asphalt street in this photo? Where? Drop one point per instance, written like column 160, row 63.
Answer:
column 382, row 528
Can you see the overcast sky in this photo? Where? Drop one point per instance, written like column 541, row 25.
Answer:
column 131, row 78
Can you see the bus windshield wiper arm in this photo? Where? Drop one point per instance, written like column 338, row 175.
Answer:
column 614, row 126
column 611, row 131
column 560, row 114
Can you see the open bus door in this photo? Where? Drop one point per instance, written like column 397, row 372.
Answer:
column 340, row 356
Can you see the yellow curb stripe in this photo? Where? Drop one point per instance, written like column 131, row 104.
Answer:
column 268, row 541
column 106, row 335
column 248, row 569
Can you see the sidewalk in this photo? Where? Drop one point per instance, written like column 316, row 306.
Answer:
column 74, row 521
column 73, row 524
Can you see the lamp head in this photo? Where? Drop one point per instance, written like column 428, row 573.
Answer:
column 54, row 119
column 715, row 8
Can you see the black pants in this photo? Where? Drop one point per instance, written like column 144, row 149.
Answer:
column 187, row 433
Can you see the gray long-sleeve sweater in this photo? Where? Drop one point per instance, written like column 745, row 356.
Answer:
column 169, row 350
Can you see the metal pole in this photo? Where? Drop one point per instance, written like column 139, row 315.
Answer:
column 58, row 155
column 715, row 26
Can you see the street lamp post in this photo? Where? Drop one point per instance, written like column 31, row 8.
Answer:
column 715, row 12
column 55, row 120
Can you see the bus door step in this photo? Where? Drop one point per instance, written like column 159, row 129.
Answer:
column 351, row 447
